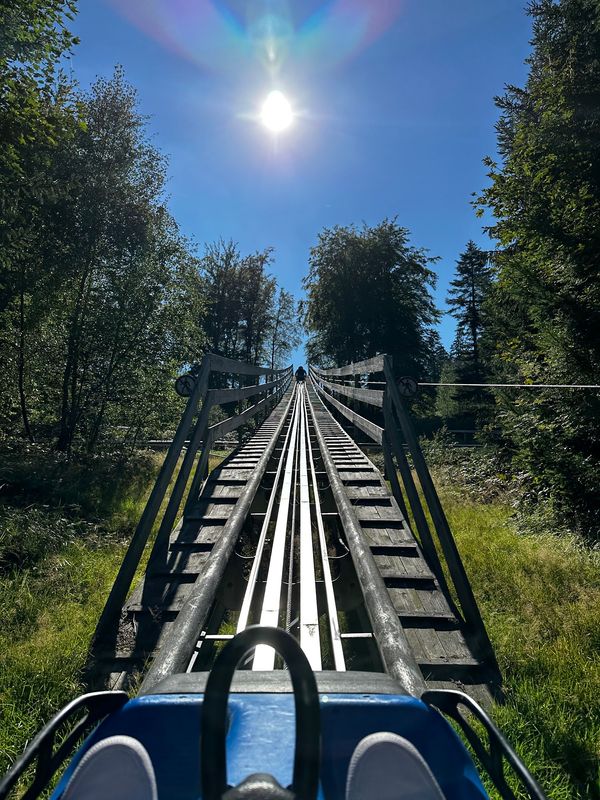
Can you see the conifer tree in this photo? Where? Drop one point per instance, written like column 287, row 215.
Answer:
column 545, row 198
column 467, row 298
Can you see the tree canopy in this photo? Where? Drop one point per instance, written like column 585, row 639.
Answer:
column 368, row 292
column 545, row 306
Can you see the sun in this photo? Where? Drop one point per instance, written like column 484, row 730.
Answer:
column 276, row 113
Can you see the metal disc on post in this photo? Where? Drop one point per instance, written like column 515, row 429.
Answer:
column 407, row 386
column 184, row 385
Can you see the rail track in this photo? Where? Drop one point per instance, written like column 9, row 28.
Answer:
column 298, row 529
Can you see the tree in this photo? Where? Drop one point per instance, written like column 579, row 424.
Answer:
column 109, row 304
column 284, row 334
column 466, row 297
column 467, row 300
column 545, row 196
column 243, row 320
column 36, row 116
column 368, row 292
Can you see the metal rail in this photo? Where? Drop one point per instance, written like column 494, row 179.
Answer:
column 334, row 626
column 397, row 426
column 328, row 553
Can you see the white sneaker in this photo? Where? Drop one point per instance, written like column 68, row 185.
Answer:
column 385, row 766
column 117, row 768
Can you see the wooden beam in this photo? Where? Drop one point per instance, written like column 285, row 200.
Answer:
column 365, row 425
column 368, row 366
column 222, row 364
column 372, row 397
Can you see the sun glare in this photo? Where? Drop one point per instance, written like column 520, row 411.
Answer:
column 276, row 113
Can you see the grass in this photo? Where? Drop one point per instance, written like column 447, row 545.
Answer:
column 60, row 549
column 49, row 615
column 539, row 596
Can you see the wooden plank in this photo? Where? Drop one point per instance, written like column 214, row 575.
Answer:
column 221, row 396
column 454, row 644
column 365, row 367
column 365, row 425
column 362, row 492
column 366, row 514
column 371, row 397
column 409, row 598
column 358, row 475
column 440, row 620
column 222, row 364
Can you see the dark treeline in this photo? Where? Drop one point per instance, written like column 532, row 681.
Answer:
column 102, row 299
column 528, row 311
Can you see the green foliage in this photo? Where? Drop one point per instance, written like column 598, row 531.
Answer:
column 368, row 293
column 245, row 319
column 466, row 297
column 477, row 473
column 470, row 355
column 90, row 486
column 103, row 305
column 539, row 595
column 49, row 612
column 545, row 308
column 284, row 329
column 33, row 33
column 62, row 538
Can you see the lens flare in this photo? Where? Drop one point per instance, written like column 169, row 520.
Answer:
column 226, row 36
column 276, row 113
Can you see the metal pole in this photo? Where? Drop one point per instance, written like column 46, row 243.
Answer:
column 332, row 613
column 264, row 657
column 252, row 578
column 309, row 614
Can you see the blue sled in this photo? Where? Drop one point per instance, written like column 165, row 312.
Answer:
column 202, row 743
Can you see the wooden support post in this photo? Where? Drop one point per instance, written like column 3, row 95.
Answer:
column 120, row 588
column 392, row 476
column 200, row 474
column 455, row 566
column 425, row 537
column 160, row 550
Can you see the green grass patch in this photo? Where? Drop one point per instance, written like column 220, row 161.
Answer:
column 539, row 596
column 49, row 614
column 58, row 560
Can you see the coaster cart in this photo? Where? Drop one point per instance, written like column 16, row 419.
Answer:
column 208, row 742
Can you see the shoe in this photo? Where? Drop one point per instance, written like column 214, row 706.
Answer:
column 385, row 766
column 117, row 768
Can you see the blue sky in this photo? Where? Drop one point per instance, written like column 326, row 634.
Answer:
column 394, row 102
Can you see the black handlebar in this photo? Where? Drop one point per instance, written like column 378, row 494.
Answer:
column 213, row 757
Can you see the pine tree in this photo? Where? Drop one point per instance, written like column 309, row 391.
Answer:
column 467, row 298
column 545, row 198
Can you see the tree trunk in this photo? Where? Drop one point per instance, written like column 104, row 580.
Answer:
column 21, row 367
column 68, row 413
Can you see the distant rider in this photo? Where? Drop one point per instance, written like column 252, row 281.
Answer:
column 300, row 375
